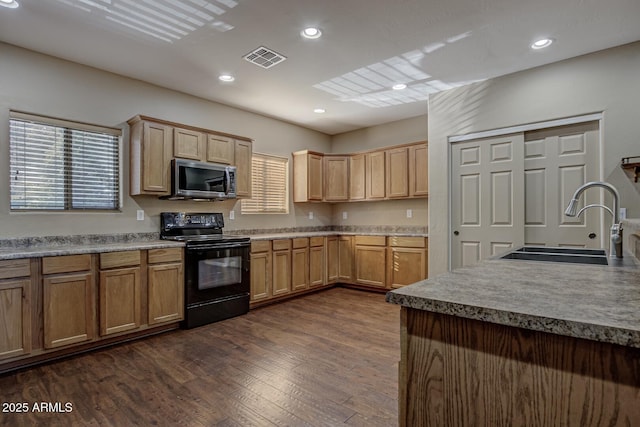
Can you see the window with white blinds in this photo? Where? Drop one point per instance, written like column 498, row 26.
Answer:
column 269, row 185
column 61, row 165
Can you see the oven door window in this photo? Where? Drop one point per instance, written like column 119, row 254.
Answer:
column 219, row 272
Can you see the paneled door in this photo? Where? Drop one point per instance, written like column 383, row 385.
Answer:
column 487, row 198
column 557, row 161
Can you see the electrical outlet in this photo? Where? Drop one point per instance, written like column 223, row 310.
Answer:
column 232, row 215
column 409, row 213
column 140, row 215
column 345, row 215
column 310, row 215
column 623, row 213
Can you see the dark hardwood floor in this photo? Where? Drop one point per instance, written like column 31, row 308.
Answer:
column 325, row 359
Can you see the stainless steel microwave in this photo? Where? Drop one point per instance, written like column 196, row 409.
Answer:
column 200, row 180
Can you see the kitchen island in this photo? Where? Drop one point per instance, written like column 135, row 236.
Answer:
column 512, row 342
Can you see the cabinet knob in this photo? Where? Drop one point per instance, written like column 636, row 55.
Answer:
column 455, row 233
column 592, row 235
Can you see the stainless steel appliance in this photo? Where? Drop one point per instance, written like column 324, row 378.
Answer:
column 217, row 268
column 199, row 180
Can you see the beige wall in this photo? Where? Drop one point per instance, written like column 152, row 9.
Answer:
column 45, row 85
column 392, row 213
column 605, row 81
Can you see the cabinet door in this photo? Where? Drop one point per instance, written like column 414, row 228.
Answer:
column 119, row 300
column 397, row 173
column 336, row 175
column 418, row 170
column 406, row 266
column 165, row 297
column 188, row 144
column 260, row 275
column 345, row 259
column 68, row 309
column 221, row 149
column 281, row 284
column 315, row 175
column 15, row 318
column 243, row 153
column 332, row 259
column 317, row 267
column 300, row 269
column 357, row 181
column 157, row 141
column 375, row 174
column 370, row 265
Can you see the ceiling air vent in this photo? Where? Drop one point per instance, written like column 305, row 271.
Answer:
column 264, row 57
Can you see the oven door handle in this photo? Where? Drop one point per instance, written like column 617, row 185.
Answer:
column 218, row 246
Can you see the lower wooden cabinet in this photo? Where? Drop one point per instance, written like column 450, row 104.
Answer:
column 15, row 317
column 260, row 270
column 317, row 262
column 281, row 284
column 333, row 259
column 165, row 286
column 407, row 261
column 300, row 264
column 119, row 289
column 370, row 260
column 345, row 259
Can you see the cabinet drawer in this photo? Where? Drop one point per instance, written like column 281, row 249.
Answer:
column 371, row 240
column 408, row 242
column 119, row 259
column 260, row 246
column 281, row 244
column 316, row 241
column 66, row 264
column 14, row 268
column 165, row 255
column 301, row 242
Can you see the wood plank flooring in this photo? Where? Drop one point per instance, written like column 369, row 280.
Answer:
column 325, row 359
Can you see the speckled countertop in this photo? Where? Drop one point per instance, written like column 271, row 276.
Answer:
column 600, row 303
column 293, row 235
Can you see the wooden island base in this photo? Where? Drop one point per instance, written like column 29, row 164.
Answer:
column 461, row 372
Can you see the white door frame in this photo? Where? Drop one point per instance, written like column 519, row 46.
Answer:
column 599, row 117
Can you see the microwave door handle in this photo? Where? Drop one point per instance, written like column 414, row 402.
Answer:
column 227, row 177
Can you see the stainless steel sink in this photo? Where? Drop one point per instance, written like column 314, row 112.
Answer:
column 571, row 255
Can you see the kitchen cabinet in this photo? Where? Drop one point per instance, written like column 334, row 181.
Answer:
column 165, row 286
column 221, row 149
column 281, row 255
column 370, row 260
column 345, row 259
column 15, row 308
column 418, row 170
column 189, row 144
column 336, row 175
column 243, row 153
column 333, row 259
column 300, row 264
column 308, row 180
column 119, row 292
column 397, row 172
column 317, row 264
column 357, row 177
column 151, row 151
column 407, row 260
column 375, row 175
column 68, row 300
column 261, row 270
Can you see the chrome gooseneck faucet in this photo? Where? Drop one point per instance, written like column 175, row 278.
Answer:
column 616, row 227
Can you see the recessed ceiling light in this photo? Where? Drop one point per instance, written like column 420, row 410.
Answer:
column 399, row 86
column 319, row 110
column 11, row 4
column 541, row 44
column 311, row 33
column 226, row 78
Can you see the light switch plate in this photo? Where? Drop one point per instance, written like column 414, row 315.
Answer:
column 409, row 213
column 140, row 215
column 623, row 213
column 345, row 215
column 310, row 215
column 232, row 215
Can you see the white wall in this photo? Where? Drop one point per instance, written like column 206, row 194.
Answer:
column 45, row 85
column 606, row 81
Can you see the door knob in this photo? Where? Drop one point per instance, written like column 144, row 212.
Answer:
column 455, row 233
column 592, row 235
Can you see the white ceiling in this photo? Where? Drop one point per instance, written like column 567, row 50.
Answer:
column 366, row 45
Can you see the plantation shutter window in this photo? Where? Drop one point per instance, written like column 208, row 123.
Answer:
column 269, row 185
column 61, row 165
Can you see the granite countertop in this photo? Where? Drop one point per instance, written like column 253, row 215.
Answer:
column 600, row 303
column 293, row 235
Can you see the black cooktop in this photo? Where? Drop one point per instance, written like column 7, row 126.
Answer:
column 196, row 228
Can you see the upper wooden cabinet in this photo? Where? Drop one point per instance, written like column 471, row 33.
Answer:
column 151, row 152
column 307, row 176
column 388, row 173
column 221, row 149
column 336, row 178
column 154, row 143
column 189, row 144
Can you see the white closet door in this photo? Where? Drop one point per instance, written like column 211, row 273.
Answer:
column 558, row 161
column 487, row 205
